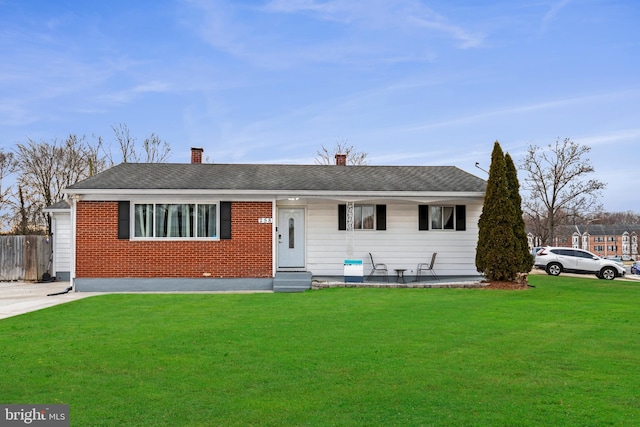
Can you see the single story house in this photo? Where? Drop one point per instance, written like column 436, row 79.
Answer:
column 195, row 226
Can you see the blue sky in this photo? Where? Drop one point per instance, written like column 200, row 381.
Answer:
column 410, row 82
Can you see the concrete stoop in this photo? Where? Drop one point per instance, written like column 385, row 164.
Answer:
column 298, row 281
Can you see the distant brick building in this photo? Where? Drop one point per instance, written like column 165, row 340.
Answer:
column 602, row 239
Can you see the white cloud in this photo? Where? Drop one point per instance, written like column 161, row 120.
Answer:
column 553, row 11
column 131, row 93
column 527, row 108
column 611, row 138
column 214, row 21
column 390, row 15
column 464, row 38
column 330, row 9
column 367, row 32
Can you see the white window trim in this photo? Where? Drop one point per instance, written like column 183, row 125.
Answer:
column 154, row 202
column 374, row 217
column 446, row 230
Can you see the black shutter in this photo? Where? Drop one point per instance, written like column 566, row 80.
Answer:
column 461, row 217
column 123, row 220
column 342, row 217
column 423, row 217
column 381, row 217
column 225, row 220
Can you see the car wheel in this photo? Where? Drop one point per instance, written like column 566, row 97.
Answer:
column 554, row 269
column 608, row 273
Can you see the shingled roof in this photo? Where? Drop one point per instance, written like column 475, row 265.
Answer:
column 267, row 177
column 605, row 229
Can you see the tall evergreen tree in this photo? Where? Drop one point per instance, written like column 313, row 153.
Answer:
column 522, row 245
column 497, row 255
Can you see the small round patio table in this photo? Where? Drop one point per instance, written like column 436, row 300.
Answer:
column 400, row 274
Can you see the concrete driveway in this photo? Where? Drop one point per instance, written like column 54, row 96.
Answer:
column 21, row 297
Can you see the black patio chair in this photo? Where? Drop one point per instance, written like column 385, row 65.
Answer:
column 378, row 267
column 427, row 266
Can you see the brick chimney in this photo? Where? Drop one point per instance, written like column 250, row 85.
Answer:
column 341, row 159
column 196, row 155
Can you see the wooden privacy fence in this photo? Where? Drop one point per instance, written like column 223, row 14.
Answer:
column 24, row 257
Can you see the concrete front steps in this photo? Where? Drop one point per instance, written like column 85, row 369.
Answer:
column 292, row 281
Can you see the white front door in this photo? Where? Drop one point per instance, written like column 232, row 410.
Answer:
column 291, row 238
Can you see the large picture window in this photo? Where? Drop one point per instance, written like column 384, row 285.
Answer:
column 175, row 220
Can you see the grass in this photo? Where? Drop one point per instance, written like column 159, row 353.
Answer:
column 566, row 352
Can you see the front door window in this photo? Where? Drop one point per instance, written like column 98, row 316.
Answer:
column 292, row 234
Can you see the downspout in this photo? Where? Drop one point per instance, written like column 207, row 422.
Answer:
column 274, row 237
column 74, row 206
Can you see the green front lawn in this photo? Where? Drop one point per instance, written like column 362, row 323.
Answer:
column 566, row 352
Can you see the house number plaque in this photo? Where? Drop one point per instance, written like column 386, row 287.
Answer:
column 265, row 220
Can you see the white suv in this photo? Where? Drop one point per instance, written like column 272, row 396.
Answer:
column 555, row 260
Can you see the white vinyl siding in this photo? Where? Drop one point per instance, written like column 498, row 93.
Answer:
column 399, row 246
column 61, row 242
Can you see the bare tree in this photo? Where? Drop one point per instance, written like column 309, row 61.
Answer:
column 24, row 223
column 126, row 144
column 44, row 169
column 97, row 160
column 6, row 166
column 154, row 149
column 327, row 156
column 628, row 217
column 557, row 186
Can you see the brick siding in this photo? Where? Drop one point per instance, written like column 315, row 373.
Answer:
column 100, row 254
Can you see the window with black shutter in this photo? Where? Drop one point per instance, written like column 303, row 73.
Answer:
column 123, row 220
column 442, row 217
column 423, row 217
column 461, row 217
column 365, row 217
column 225, row 220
